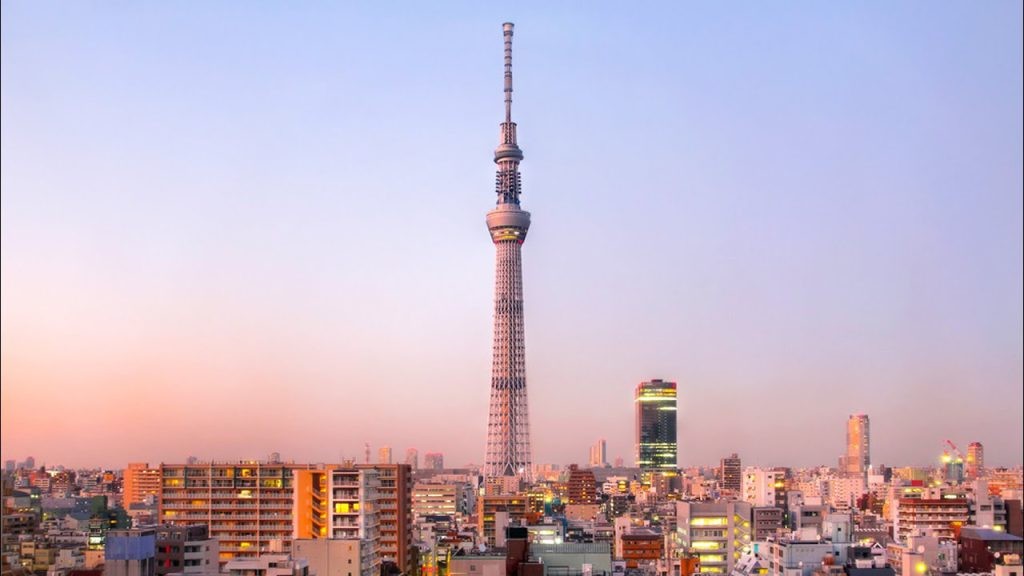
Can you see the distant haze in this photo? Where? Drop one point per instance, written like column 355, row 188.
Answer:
column 232, row 229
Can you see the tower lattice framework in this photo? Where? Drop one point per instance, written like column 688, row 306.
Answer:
column 508, row 428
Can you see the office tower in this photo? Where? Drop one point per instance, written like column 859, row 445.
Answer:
column 975, row 466
column 412, row 458
column 730, row 474
column 394, row 503
column 130, row 552
column 582, row 488
column 433, row 461
column 718, row 532
column 384, row 455
column 186, row 550
column 858, row 445
column 599, row 454
column 656, row 425
column 508, row 430
column 139, row 481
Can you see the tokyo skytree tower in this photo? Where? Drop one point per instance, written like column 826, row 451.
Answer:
column 508, row 427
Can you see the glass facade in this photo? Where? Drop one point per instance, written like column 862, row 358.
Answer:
column 656, row 425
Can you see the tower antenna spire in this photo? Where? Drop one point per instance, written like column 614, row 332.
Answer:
column 507, row 28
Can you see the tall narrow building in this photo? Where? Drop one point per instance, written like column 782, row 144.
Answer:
column 599, row 454
column 508, row 428
column 656, row 445
column 858, row 445
column 975, row 460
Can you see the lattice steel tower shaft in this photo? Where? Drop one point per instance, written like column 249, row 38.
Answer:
column 508, row 427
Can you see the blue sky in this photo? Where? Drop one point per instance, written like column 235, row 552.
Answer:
column 276, row 212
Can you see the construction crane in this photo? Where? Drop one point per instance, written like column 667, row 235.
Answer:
column 955, row 450
column 955, row 456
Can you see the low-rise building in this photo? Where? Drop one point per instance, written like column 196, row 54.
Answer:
column 980, row 547
column 267, row 565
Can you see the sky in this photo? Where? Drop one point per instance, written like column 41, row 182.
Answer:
column 230, row 229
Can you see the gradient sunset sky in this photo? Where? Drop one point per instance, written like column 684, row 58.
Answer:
column 232, row 228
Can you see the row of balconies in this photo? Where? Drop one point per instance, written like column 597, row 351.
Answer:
column 230, row 506
column 234, row 526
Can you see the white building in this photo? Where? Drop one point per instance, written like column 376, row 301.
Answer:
column 717, row 532
column 761, row 487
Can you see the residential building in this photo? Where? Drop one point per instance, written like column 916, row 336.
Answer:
column 980, row 547
column 642, row 548
column 975, row 465
column 256, row 508
column 395, row 506
column 582, row 487
column 498, row 512
column 764, row 487
column 139, row 481
column 267, row 565
column 730, row 475
column 130, row 552
column 186, row 550
column 936, row 516
column 766, row 522
column 336, row 556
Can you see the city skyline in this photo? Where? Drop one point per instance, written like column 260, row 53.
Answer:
column 228, row 231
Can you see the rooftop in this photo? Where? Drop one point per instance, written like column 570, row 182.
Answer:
column 979, row 533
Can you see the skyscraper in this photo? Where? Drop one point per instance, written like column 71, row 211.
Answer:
column 508, row 430
column 656, row 425
column 975, row 460
column 412, row 458
column 384, row 455
column 599, row 454
column 858, row 445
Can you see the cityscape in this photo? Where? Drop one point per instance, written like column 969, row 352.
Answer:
column 258, row 382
